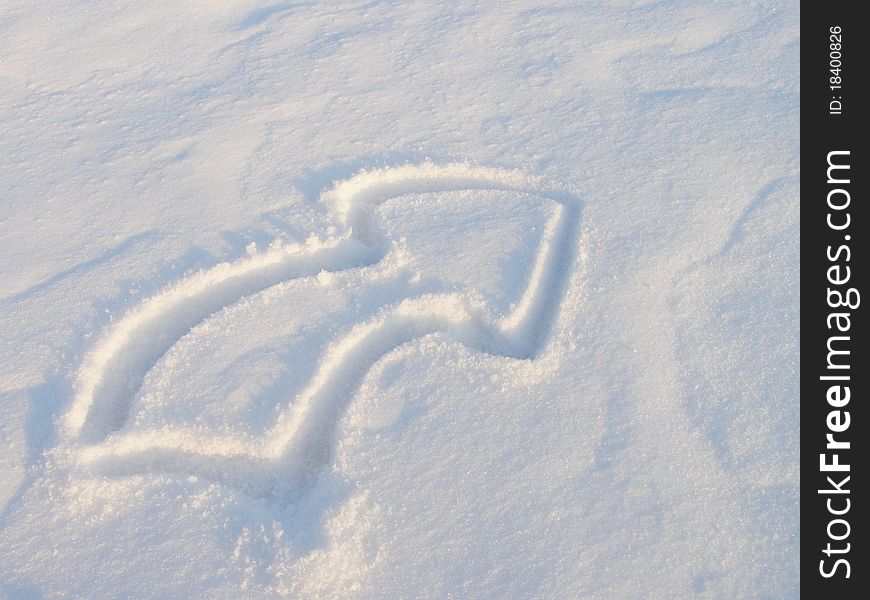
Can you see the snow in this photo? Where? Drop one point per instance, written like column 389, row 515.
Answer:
column 398, row 300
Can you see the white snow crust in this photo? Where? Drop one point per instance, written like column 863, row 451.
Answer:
column 375, row 299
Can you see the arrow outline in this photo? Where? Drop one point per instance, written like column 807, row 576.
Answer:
column 292, row 453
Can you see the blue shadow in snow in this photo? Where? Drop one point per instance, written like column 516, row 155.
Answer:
column 88, row 265
column 259, row 15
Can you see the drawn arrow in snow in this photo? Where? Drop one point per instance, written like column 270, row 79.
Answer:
column 300, row 443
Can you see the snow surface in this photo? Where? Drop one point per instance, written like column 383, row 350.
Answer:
column 375, row 299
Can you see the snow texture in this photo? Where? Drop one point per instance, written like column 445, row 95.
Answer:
column 369, row 299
